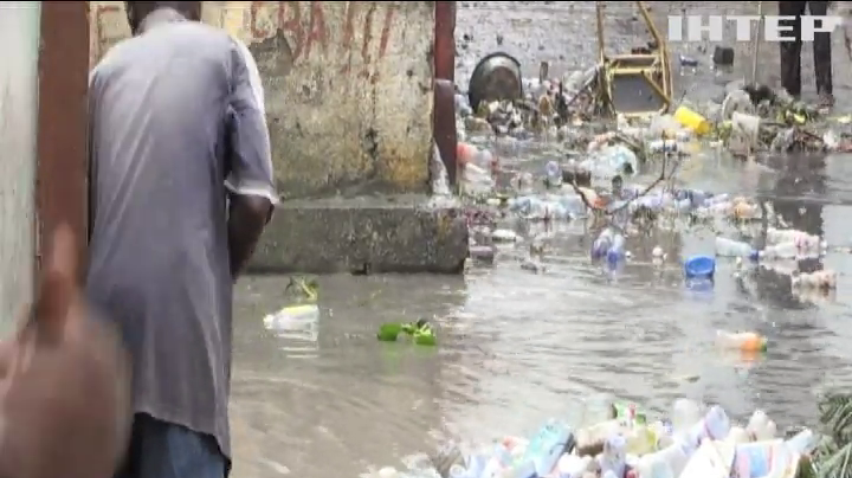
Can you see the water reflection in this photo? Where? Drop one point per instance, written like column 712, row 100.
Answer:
column 797, row 198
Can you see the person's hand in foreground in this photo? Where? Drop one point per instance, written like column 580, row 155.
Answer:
column 64, row 382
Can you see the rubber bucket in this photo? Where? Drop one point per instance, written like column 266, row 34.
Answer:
column 496, row 77
column 699, row 267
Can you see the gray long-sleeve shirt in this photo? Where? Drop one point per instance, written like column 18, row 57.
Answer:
column 176, row 124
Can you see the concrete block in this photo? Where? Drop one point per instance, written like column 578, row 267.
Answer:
column 404, row 233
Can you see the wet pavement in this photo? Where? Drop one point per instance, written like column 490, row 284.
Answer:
column 517, row 348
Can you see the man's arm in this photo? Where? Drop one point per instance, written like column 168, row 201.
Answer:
column 251, row 180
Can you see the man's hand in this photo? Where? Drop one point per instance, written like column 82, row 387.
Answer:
column 64, row 383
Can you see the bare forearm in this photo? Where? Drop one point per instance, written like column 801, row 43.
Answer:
column 247, row 218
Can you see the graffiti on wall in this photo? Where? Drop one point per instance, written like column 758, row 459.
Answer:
column 362, row 41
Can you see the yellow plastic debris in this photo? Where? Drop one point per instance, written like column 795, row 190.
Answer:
column 692, row 120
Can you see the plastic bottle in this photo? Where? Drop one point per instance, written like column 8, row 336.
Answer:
column 772, row 458
column 287, row 316
column 777, row 236
column 616, row 249
column 573, row 466
column 744, row 341
column 685, row 414
column 504, row 235
column 547, row 446
column 601, row 246
column 730, row 248
column 666, row 463
column 614, row 455
column 553, row 174
column 824, row 279
column 738, row 435
column 760, row 427
column 785, row 250
column 642, row 439
column 714, row 426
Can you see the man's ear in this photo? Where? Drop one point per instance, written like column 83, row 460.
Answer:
column 57, row 287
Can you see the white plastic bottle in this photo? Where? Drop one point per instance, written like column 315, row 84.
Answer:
column 714, row 426
column 784, row 250
column 614, row 456
column 573, row 466
column 730, row 248
column 666, row 463
column 685, row 414
column 760, row 427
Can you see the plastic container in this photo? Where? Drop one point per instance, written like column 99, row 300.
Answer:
column 693, row 121
column 699, row 267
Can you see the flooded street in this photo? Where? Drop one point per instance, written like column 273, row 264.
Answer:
column 516, row 348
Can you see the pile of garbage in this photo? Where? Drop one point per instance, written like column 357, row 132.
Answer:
column 693, row 442
column 746, row 119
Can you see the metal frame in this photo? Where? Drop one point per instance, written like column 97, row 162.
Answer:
column 650, row 65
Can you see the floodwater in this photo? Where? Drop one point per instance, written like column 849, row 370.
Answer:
column 516, row 348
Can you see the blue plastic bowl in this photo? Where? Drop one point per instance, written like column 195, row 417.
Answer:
column 699, row 267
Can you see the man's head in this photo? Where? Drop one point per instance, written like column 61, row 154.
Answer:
column 137, row 11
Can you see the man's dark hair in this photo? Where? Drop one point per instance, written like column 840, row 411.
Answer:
column 137, row 11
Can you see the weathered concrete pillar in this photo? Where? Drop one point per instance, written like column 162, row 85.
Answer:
column 349, row 101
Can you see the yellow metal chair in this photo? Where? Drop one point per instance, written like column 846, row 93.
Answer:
column 634, row 84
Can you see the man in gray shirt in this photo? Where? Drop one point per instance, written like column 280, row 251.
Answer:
column 181, row 187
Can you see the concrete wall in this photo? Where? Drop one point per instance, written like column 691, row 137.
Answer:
column 348, row 87
column 19, row 31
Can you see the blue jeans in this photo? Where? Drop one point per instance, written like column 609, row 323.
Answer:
column 164, row 450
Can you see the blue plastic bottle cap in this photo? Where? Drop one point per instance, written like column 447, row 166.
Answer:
column 754, row 256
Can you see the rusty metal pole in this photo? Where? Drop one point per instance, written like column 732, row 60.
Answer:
column 63, row 76
column 444, row 110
